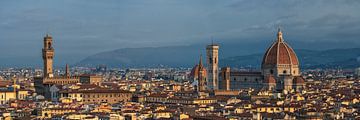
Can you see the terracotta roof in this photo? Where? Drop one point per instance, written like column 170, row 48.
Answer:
column 280, row 53
column 195, row 71
column 95, row 90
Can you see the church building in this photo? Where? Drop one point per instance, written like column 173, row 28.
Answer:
column 279, row 71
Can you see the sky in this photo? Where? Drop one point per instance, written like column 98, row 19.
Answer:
column 84, row 27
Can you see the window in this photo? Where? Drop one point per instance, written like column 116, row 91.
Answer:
column 271, row 71
column 49, row 45
column 284, row 71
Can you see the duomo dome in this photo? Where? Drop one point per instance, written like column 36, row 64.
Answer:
column 280, row 59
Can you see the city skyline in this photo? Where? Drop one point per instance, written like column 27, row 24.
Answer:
column 130, row 24
column 179, row 60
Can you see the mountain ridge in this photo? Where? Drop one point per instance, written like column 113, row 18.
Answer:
column 187, row 56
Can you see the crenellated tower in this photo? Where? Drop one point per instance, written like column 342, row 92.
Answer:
column 48, row 56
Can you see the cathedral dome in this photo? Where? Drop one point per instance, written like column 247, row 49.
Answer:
column 195, row 71
column 280, row 53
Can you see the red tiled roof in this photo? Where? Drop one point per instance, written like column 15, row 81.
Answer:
column 195, row 71
column 280, row 53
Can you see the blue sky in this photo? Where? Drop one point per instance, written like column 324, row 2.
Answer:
column 84, row 27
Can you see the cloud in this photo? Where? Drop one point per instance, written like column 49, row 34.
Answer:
column 84, row 27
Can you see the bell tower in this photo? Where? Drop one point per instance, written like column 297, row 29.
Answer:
column 48, row 55
column 212, row 55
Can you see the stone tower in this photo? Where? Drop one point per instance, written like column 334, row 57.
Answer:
column 48, row 56
column 225, row 78
column 67, row 71
column 201, row 76
column 212, row 54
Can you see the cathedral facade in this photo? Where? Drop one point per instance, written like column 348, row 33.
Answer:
column 198, row 76
column 279, row 71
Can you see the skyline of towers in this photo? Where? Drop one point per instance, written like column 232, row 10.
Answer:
column 212, row 55
column 48, row 56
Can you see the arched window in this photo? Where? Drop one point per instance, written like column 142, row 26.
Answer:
column 271, row 71
column 49, row 45
column 284, row 71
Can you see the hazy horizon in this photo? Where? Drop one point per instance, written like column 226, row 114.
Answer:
column 84, row 27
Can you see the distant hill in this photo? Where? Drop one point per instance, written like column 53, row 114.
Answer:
column 187, row 56
column 334, row 58
column 145, row 57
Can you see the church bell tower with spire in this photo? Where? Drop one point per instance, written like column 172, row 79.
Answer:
column 48, row 56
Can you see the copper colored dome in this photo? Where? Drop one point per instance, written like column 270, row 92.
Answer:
column 195, row 71
column 280, row 53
